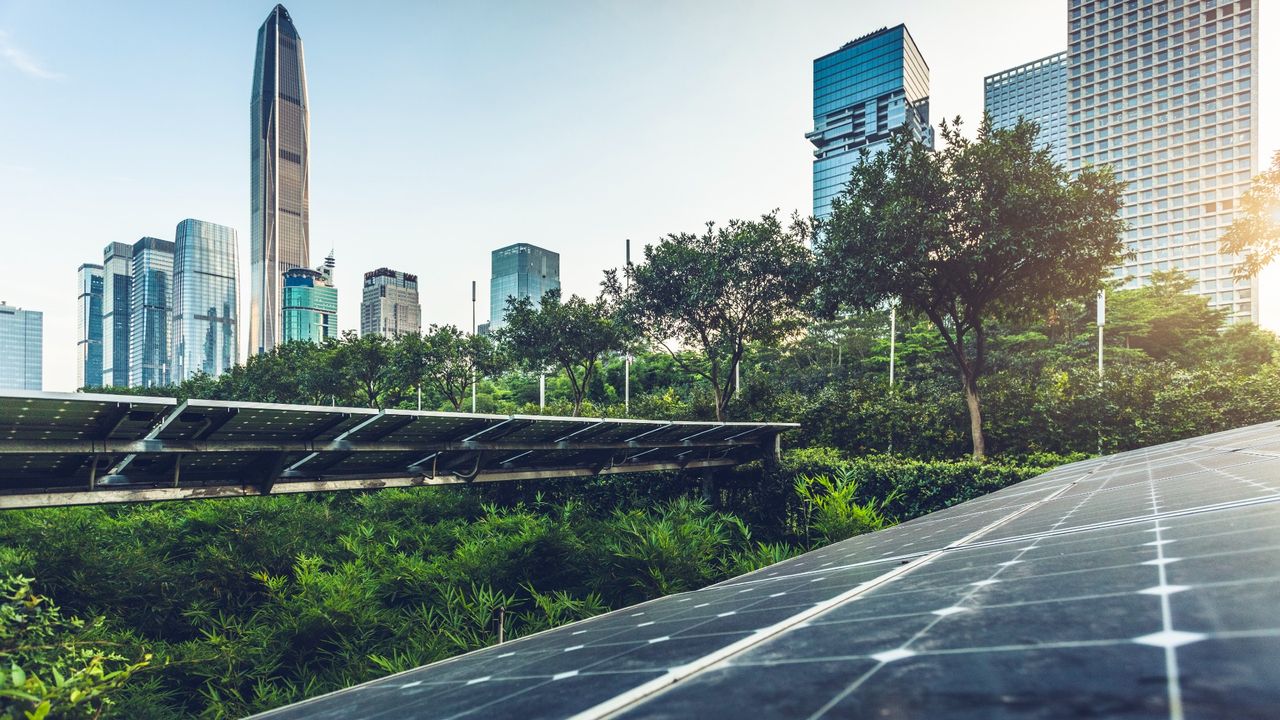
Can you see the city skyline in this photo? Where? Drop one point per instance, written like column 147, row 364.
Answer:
column 542, row 179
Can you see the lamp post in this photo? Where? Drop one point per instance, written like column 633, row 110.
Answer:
column 626, row 365
column 473, row 332
column 893, row 339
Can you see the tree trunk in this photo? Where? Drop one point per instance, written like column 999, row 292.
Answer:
column 973, row 400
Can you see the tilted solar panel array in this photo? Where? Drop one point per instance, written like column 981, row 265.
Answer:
column 1144, row 584
column 52, row 443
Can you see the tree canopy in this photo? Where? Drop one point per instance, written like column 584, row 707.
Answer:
column 983, row 229
column 573, row 334
column 1255, row 233
column 718, row 291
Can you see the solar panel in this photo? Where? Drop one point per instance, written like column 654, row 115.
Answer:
column 1144, row 584
column 62, row 449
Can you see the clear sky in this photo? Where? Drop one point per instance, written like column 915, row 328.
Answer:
column 443, row 130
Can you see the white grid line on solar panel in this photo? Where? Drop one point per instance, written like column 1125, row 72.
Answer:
column 951, row 608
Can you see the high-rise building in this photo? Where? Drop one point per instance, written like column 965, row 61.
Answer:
column 1164, row 93
column 21, row 348
column 151, row 313
column 520, row 271
column 279, row 144
column 310, row 304
column 390, row 304
column 89, row 326
column 1036, row 91
column 205, row 300
column 862, row 94
column 117, row 289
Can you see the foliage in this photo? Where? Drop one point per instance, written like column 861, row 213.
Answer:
column 983, row 229
column 717, row 292
column 573, row 334
column 831, row 508
column 1163, row 320
column 445, row 360
column 54, row 666
column 1255, row 232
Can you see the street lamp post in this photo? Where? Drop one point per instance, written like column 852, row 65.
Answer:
column 626, row 365
column 473, row 332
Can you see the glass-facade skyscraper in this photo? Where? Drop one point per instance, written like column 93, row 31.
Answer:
column 1163, row 92
column 520, row 271
column 310, row 304
column 21, row 348
column 151, row 313
column 205, row 300
column 390, row 305
column 89, row 326
column 863, row 93
column 1036, row 91
column 279, row 235
column 117, row 289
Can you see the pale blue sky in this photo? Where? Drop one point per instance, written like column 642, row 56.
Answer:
column 442, row 130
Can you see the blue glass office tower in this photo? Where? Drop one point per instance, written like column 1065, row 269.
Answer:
column 151, row 313
column 1036, row 91
column 117, row 287
column 279, row 146
column 205, row 300
column 21, row 348
column 863, row 93
column 520, row 271
column 1165, row 93
column 89, row 326
column 310, row 304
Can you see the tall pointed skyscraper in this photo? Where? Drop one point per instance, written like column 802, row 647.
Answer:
column 280, row 234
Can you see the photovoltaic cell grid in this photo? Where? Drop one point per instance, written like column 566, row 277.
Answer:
column 1140, row 585
column 58, row 448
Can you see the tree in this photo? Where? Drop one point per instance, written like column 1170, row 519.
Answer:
column 718, row 291
column 573, row 334
column 1163, row 319
column 1255, row 233
column 446, row 360
column 367, row 360
column 983, row 229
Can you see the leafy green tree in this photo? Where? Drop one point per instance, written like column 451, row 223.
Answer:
column 983, row 229
column 717, row 292
column 446, row 360
column 366, row 359
column 1255, row 233
column 574, row 335
column 1163, row 319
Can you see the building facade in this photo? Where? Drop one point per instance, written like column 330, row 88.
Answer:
column 310, row 304
column 520, row 271
column 1036, row 91
column 151, row 313
column 390, row 304
column 279, row 235
column 862, row 94
column 117, row 289
column 89, row 326
column 1163, row 93
column 21, row 348
column 206, row 318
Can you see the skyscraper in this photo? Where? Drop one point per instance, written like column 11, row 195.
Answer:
column 205, row 299
column 1036, row 91
column 1163, row 92
column 520, row 271
column 279, row 144
column 21, row 348
column 151, row 313
column 89, row 325
column 117, row 288
column 310, row 304
column 390, row 303
column 863, row 93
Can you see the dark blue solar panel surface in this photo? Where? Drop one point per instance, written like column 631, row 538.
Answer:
column 1142, row 585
